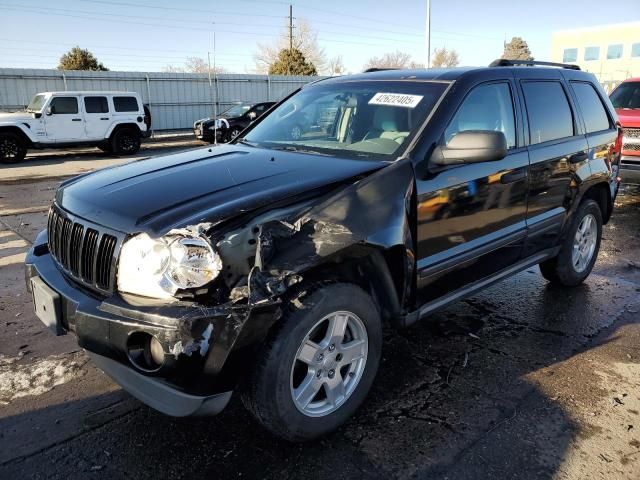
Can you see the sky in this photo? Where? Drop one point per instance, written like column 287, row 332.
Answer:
column 148, row 35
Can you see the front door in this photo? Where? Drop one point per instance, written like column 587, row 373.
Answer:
column 63, row 120
column 471, row 217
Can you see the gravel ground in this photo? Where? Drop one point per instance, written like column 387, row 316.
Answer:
column 521, row 381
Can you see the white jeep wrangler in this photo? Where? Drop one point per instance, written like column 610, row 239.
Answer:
column 113, row 121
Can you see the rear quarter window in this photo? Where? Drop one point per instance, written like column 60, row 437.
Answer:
column 125, row 104
column 593, row 111
column 548, row 110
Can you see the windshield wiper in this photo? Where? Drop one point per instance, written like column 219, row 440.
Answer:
column 246, row 142
column 291, row 148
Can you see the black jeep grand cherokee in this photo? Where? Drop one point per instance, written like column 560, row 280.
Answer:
column 268, row 265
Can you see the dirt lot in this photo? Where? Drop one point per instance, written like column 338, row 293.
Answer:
column 522, row 381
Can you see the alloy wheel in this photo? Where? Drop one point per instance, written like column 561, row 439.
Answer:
column 329, row 364
column 584, row 243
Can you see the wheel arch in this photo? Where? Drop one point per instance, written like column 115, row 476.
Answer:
column 601, row 194
column 380, row 272
column 119, row 126
column 17, row 130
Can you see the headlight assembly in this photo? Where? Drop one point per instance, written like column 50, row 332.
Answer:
column 158, row 268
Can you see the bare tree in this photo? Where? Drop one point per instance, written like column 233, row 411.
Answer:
column 193, row 65
column 336, row 66
column 305, row 39
column 395, row 59
column 445, row 58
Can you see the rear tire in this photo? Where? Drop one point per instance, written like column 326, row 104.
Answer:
column 318, row 366
column 125, row 141
column 579, row 249
column 12, row 148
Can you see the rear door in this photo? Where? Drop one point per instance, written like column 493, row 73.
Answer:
column 97, row 116
column 600, row 128
column 63, row 120
column 558, row 151
column 471, row 217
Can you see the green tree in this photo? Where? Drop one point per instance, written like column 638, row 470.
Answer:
column 517, row 49
column 444, row 58
column 291, row 62
column 80, row 59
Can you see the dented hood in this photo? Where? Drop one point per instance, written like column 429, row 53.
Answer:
column 202, row 185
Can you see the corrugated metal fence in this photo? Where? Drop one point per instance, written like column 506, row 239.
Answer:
column 176, row 100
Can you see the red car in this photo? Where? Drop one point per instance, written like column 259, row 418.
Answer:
column 626, row 100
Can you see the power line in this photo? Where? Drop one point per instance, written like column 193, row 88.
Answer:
column 48, row 12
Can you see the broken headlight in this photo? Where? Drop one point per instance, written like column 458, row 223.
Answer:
column 158, row 268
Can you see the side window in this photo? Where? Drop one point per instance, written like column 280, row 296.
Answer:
column 487, row 107
column 260, row 108
column 595, row 116
column 96, row 105
column 548, row 110
column 64, row 105
column 125, row 104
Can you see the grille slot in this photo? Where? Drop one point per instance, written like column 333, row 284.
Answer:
column 632, row 132
column 85, row 251
column 88, row 255
column 103, row 262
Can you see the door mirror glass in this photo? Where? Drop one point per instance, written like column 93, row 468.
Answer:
column 49, row 111
column 471, row 146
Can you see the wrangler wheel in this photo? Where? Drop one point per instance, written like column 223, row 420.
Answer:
column 125, row 141
column 12, row 148
column 318, row 366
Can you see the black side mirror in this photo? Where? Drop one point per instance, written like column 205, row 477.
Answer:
column 37, row 115
column 471, row 146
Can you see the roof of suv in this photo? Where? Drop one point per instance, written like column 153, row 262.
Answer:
column 89, row 92
column 450, row 74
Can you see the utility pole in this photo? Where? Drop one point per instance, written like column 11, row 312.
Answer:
column 290, row 28
column 428, row 32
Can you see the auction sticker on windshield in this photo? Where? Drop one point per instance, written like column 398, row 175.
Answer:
column 396, row 100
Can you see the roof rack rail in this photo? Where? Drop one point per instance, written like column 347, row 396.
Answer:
column 376, row 69
column 503, row 62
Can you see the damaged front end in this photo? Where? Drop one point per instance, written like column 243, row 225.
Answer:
column 193, row 346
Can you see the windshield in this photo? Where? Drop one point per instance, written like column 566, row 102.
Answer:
column 235, row 111
column 373, row 119
column 36, row 103
column 627, row 95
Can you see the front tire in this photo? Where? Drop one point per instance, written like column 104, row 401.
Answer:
column 579, row 249
column 12, row 148
column 125, row 141
column 317, row 368
column 233, row 133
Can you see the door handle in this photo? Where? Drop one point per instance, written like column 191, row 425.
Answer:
column 513, row 177
column 104, row 118
column 578, row 157
column 76, row 119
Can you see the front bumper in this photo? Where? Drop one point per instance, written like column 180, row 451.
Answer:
column 205, row 347
column 207, row 135
column 630, row 168
column 159, row 395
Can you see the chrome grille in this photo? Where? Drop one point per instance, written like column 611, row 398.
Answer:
column 85, row 251
column 633, row 147
column 632, row 132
